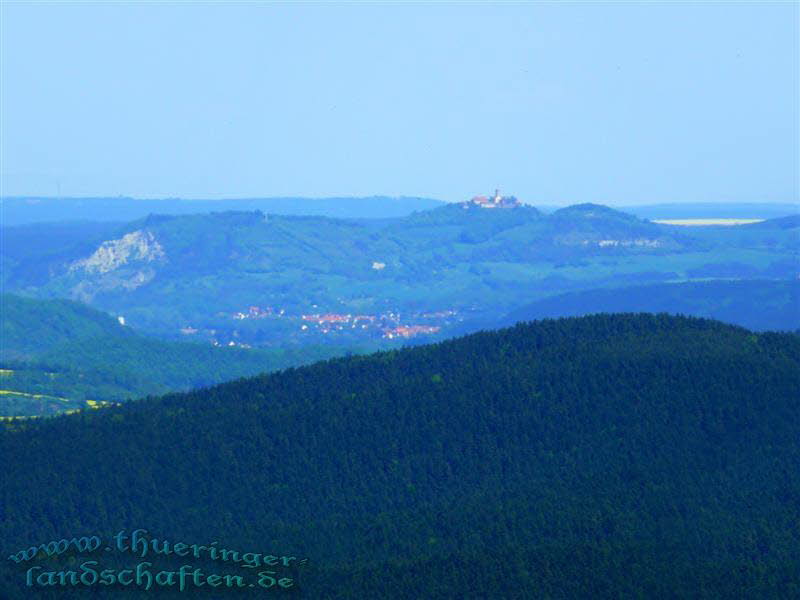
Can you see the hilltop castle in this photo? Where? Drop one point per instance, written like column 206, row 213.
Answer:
column 496, row 201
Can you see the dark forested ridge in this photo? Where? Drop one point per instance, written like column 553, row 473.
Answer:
column 760, row 305
column 605, row 456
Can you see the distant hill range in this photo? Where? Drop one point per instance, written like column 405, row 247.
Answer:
column 262, row 279
column 21, row 210
column 759, row 305
column 704, row 210
column 711, row 210
column 623, row 456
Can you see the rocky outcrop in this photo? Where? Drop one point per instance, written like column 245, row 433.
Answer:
column 137, row 246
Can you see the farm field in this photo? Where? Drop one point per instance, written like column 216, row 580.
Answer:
column 23, row 405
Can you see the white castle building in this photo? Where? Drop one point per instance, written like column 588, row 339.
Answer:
column 496, row 201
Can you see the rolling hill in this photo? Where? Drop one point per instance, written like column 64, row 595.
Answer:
column 171, row 274
column 24, row 210
column 759, row 305
column 56, row 355
column 605, row 456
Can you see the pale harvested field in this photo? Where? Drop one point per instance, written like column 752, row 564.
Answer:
column 697, row 222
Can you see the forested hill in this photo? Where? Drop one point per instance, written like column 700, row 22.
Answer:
column 24, row 210
column 199, row 271
column 605, row 456
column 32, row 327
column 760, row 304
column 57, row 354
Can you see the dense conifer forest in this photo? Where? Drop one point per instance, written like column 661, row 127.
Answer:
column 608, row 456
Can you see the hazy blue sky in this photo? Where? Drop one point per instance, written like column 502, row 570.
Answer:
column 556, row 103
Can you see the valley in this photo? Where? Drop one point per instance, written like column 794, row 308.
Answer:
column 239, row 293
column 197, row 276
column 59, row 356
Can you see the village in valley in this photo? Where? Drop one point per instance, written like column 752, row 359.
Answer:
column 386, row 325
